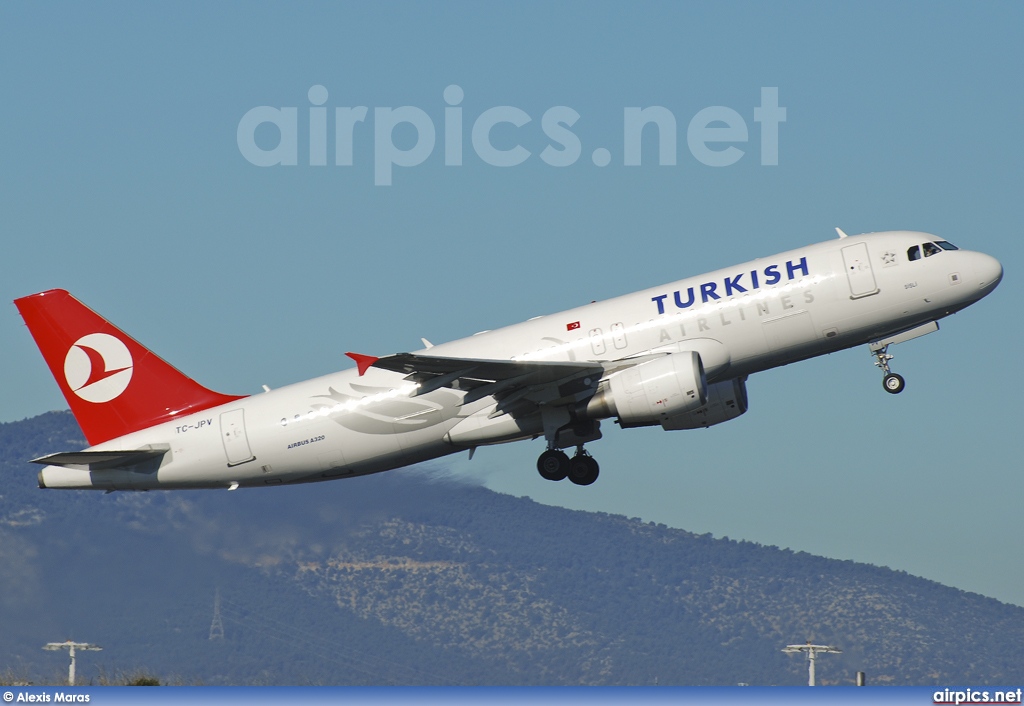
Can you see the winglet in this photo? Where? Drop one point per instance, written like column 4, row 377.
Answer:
column 363, row 362
column 841, row 233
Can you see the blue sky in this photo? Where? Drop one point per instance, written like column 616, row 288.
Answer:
column 122, row 180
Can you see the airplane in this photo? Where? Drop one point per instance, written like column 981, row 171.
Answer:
column 677, row 356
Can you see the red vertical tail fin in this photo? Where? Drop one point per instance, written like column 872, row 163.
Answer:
column 113, row 384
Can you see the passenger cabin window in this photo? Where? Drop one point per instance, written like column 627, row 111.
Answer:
column 931, row 249
column 914, row 253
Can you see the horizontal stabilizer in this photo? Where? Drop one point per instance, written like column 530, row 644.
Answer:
column 100, row 460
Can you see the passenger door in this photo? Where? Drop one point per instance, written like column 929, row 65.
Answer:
column 236, row 443
column 858, row 271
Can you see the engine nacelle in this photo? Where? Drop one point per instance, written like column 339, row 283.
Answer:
column 726, row 400
column 652, row 392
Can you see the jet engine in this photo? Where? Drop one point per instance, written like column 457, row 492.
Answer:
column 726, row 400
column 652, row 392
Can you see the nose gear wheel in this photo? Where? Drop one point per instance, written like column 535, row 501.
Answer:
column 892, row 382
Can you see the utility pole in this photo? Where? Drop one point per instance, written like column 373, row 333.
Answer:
column 71, row 647
column 812, row 652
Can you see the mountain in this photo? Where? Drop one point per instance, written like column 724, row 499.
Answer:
column 410, row 577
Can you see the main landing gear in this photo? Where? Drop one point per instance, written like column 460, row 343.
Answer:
column 555, row 464
column 562, row 430
column 892, row 382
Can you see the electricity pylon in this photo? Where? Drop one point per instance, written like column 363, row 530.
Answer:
column 217, row 626
column 71, row 647
column 812, row 652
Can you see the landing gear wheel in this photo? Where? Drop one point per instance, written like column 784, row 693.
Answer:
column 893, row 383
column 583, row 469
column 553, row 465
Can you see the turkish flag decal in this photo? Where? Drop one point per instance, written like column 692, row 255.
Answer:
column 573, row 326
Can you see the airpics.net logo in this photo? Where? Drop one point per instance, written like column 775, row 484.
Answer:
column 716, row 136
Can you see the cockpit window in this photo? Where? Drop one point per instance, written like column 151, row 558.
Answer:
column 931, row 249
column 946, row 245
column 914, row 253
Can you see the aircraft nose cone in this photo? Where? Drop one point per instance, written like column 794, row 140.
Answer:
column 989, row 272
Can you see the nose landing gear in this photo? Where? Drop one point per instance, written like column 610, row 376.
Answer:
column 892, row 382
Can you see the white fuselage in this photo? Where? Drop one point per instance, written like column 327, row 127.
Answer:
column 742, row 320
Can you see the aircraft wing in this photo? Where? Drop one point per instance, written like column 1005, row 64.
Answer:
column 516, row 384
column 538, row 372
column 481, row 377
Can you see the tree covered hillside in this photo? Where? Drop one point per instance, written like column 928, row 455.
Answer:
column 409, row 578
